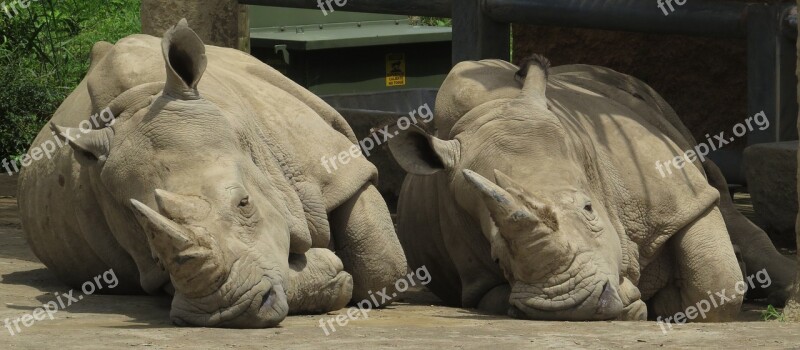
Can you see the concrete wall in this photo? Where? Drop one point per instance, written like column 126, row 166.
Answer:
column 217, row 22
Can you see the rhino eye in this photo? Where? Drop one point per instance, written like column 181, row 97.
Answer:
column 244, row 202
column 588, row 207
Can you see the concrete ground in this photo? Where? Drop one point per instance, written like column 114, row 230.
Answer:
column 417, row 321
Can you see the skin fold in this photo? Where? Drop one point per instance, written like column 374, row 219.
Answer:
column 205, row 185
column 537, row 197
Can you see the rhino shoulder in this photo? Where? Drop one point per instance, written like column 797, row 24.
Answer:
column 322, row 109
column 668, row 120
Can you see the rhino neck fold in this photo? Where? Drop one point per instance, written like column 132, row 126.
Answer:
column 306, row 206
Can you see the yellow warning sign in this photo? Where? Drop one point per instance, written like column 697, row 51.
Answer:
column 395, row 69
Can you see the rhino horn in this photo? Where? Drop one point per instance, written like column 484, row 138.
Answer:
column 508, row 213
column 543, row 212
column 181, row 208
column 193, row 262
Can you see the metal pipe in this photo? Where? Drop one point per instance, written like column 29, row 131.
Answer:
column 789, row 22
column 707, row 18
column 429, row 8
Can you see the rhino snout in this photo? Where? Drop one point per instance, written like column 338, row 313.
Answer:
column 600, row 302
column 264, row 305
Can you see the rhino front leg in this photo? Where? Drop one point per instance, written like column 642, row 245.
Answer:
column 496, row 302
column 365, row 240
column 317, row 282
column 635, row 309
column 757, row 251
column 707, row 275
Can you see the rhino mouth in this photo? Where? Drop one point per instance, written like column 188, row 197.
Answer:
column 602, row 302
column 590, row 295
column 262, row 306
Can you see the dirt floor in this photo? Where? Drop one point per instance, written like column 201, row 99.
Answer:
column 102, row 322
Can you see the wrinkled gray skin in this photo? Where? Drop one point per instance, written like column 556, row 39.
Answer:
column 540, row 198
column 207, row 185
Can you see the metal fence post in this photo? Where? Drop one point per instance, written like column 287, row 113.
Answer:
column 476, row 36
column 771, row 82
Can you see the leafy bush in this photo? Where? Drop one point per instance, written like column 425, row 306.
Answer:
column 44, row 54
column 25, row 102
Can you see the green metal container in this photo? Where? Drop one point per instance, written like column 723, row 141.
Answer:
column 345, row 53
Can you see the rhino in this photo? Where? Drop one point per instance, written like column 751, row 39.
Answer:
column 206, row 186
column 536, row 196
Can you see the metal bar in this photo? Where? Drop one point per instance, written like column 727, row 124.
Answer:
column 762, row 59
column 787, row 79
column 475, row 36
column 706, row 18
column 431, row 8
column 789, row 20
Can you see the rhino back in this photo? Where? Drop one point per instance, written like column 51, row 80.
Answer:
column 665, row 119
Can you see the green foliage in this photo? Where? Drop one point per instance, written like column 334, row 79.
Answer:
column 25, row 102
column 432, row 21
column 44, row 54
column 771, row 313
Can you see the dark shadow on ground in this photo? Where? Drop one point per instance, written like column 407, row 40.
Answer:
column 144, row 310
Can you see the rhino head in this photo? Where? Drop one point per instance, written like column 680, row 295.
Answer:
column 517, row 172
column 190, row 187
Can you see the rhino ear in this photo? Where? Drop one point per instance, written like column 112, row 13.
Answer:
column 535, row 71
column 422, row 154
column 185, row 58
column 93, row 144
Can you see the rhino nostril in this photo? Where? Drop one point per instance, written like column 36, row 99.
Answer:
column 268, row 299
column 606, row 298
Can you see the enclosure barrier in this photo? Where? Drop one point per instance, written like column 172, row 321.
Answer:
column 693, row 18
column 428, row 8
column 481, row 31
